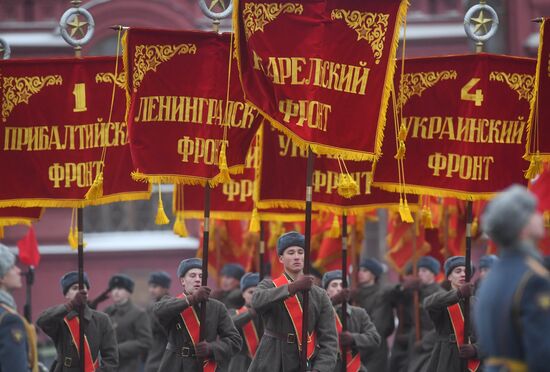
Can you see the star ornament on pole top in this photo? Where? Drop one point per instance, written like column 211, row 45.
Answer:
column 217, row 9
column 481, row 22
column 77, row 21
column 77, row 26
column 220, row 3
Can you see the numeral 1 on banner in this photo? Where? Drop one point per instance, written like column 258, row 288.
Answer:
column 79, row 93
column 467, row 95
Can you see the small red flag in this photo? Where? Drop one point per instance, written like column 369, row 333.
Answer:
column 28, row 249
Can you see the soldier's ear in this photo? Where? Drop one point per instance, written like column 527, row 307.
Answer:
column 281, row 259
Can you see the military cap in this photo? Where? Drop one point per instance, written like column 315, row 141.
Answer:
column 70, row 279
column 507, row 214
column 121, row 281
column 7, row 260
column 485, row 262
column 290, row 239
column 454, row 262
column 373, row 265
column 430, row 263
column 188, row 264
column 160, row 278
column 232, row 270
column 249, row 280
column 330, row 276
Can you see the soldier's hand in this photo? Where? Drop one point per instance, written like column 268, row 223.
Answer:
column 411, row 282
column 302, row 284
column 466, row 290
column 217, row 294
column 341, row 297
column 252, row 312
column 201, row 295
column 203, row 350
column 467, row 351
column 79, row 299
column 346, row 339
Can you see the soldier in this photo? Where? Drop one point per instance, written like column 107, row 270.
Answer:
column 420, row 350
column 17, row 336
column 180, row 317
column 513, row 311
column 248, row 323
column 229, row 293
column 133, row 330
column 361, row 334
column 61, row 323
column 401, row 299
column 375, row 299
column 485, row 264
column 159, row 286
column 278, row 301
column 446, row 310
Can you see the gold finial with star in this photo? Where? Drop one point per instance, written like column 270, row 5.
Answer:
column 221, row 3
column 480, row 22
column 77, row 26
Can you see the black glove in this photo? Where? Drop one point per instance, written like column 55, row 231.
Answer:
column 346, row 339
column 302, row 284
column 466, row 290
column 467, row 351
column 340, row 297
column 79, row 299
column 203, row 350
column 200, row 295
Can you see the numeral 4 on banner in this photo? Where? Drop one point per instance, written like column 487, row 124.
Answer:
column 467, row 95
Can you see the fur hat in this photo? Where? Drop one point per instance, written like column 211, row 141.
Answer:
column 330, row 276
column 232, row 270
column 71, row 278
column 7, row 260
column 430, row 263
column 290, row 239
column 188, row 264
column 373, row 265
column 160, row 278
column 249, row 280
column 121, row 281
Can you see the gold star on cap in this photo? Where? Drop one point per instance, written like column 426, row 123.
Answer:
column 481, row 22
column 77, row 26
column 221, row 3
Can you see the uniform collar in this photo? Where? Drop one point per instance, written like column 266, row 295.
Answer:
column 7, row 299
column 123, row 309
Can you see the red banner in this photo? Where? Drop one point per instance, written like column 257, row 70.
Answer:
column 19, row 216
column 55, row 126
column 405, row 242
column 186, row 124
column 321, row 71
column 282, row 162
column 538, row 142
column 460, row 142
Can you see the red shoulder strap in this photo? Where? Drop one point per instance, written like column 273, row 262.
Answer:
column 353, row 362
column 74, row 330
column 250, row 334
column 457, row 320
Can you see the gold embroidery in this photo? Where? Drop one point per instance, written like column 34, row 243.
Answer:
column 371, row 27
column 149, row 57
column 523, row 84
column 256, row 16
column 17, row 90
column 109, row 77
column 415, row 84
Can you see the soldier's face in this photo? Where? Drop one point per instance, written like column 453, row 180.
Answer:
column 247, row 295
column 334, row 287
column 120, row 295
column 191, row 280
column 293, row 259
column 534, row 230
column 73, row 291
column 156, row 291
column 12, row 279
column 457, row 277
column 365, row 276
column 228, row 283
column 426, row 276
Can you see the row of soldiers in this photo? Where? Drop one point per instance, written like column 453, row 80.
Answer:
column 261, row 331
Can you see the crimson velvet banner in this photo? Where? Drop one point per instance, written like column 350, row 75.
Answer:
column 321, row 71
column 53, row 131
column 282, row 180
column 182, row 117
column 10, row 216
column 538, row 140
column 233, row 200
column 466, row 123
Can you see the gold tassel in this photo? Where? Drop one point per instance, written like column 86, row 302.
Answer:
column 222, row 164
column 400, row 151
column 546, row 216
column 73, row 238
column 405, row 211
column 1, row 232
column 335, row 231
column 475, row 227
column 347, row 186
column 402, row 136
column 96, row 190
column 427, row 218
column 161, row 218
column 535, row 167
column 180, row 228
column 254, row 221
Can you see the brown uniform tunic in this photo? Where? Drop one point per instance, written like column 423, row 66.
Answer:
column 242, row 360
column 160, row 338
column 98, row 330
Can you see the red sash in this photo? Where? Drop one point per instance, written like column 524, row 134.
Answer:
column 250, row 334
column 294, row 309
column 193, row 326
column 353, row 362
column 74, row 329
column 457, row 320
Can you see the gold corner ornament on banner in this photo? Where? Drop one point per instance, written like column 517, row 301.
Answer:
column 308, row 92
column 461, row 143
column 537, row 147
column 55, row 154
column 198, row 128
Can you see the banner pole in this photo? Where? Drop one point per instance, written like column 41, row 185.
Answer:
column 307, row 258
column 344, row 285
column 261, row 265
